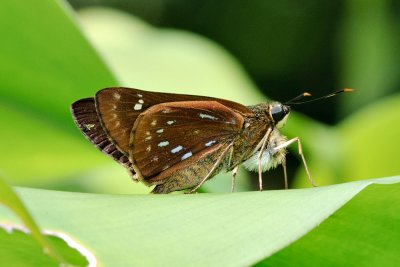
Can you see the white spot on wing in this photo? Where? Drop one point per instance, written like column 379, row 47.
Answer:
column 207, row 116
column 155, row 158
column 147, row 133
column 139, row 95
column 148, row 137
column 148, row 148
column 187, row 155
column 171, row 122
column 141, row 101
column 153, row 123
column 177, row 149
column 160, row 131
column 210, row 143
column 167, row 110
column 163, row 143
column 89, row 126
column 137, row 107
column 117, row 96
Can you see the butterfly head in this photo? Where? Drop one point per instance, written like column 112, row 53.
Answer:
column 279, row 113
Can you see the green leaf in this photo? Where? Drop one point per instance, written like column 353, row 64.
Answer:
column 11, row 200
column 30, row 246
column 19, row 248
column 364, row 232
column 236, row 229
column 46, row 63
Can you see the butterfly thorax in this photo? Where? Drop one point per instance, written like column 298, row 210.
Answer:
column 249, row 143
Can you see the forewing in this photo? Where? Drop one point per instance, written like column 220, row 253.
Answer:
column 170, row 133
column 87, row 120
column 119, row 108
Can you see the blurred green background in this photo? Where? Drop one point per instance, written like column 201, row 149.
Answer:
column 55, row 52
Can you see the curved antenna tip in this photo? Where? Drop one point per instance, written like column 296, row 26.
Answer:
column 292, row 102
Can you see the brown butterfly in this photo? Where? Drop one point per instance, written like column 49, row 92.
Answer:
column 178, row 142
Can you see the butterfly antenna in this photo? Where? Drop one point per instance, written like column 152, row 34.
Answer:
column 305, row 94
column 293, row 101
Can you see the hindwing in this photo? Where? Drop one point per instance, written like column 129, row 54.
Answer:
column 170, row 133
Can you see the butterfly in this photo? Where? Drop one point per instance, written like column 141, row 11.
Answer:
column 176, row 142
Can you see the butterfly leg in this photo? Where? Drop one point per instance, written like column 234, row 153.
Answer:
column 300, row 149
column 285, row 174
column 264, row 144
column 234, row 172
column 215, row 166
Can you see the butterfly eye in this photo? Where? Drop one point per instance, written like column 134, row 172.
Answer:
column 278, row 112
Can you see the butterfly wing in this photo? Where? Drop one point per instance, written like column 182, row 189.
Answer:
column 119, row 107
column 87, row 120
column 169, row 136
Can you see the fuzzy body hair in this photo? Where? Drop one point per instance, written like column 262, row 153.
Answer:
column 271, row 157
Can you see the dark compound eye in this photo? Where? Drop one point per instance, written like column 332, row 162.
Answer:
column 279, row 112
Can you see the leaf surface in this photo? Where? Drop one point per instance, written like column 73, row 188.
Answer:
column 236, row 229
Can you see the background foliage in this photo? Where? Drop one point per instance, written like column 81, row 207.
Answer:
column 342, row 44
